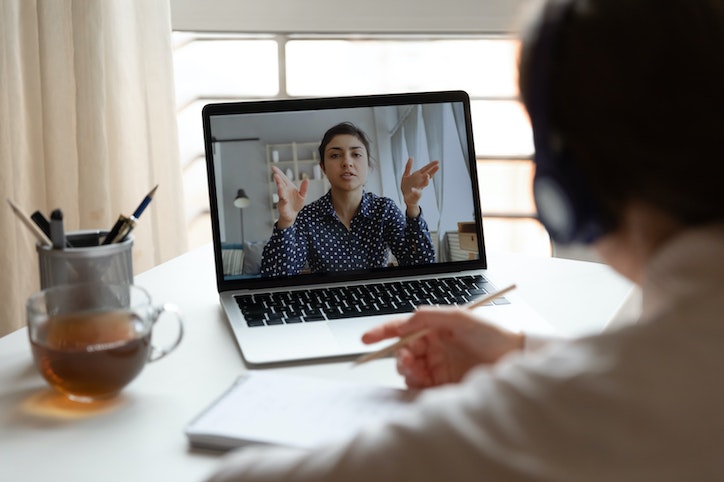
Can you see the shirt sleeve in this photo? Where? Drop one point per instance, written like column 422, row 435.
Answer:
column 572, row 411
column 409, row 238
column 284, row 254
column 468, row 431
column 533, row 341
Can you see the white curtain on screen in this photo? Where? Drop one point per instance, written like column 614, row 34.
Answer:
column 409, row 139
column 436, row 132
column 87, row 124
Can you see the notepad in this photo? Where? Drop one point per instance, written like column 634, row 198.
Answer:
column 267, row 408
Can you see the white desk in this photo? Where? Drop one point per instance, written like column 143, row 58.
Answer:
column 139, row 437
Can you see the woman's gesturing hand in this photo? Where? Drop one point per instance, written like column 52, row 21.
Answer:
column 291, row 199
column 414, row 182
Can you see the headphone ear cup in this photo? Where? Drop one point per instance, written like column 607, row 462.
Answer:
column 554, row 207
column 565, row 208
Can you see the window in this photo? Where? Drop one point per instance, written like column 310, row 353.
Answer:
column 215, row 67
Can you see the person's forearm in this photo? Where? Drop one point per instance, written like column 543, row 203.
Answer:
column 284, row 222
column 281, row 256
column 413, row 210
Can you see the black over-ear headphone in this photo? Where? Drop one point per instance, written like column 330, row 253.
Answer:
column 565, row 206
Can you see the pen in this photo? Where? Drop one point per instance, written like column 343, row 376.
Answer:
column 419, row 334
column 57, row 230
column 37, row 232
column 124, row 225
column 113, row 233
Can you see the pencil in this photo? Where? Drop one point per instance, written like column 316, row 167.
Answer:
column 419, row 334
column 37, row 232
column 146, row 201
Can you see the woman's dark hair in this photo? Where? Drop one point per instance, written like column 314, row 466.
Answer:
column 344, row 128
column 637, row 96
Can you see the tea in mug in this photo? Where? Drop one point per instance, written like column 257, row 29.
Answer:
column 91, row 355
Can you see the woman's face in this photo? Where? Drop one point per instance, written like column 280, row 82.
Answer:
column 346, row 162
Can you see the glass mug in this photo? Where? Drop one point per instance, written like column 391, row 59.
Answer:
column 90, row 340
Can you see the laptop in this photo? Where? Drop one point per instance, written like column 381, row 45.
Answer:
column 317, row 310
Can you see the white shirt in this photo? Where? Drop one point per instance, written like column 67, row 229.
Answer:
column 643, row 402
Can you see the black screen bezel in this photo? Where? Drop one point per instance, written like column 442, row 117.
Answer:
column 344, row 102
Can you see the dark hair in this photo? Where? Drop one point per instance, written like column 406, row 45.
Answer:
column 637, row 97
column 344, row 128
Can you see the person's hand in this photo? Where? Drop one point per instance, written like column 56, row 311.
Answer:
column 291, row 199
column 414, row 182
column 457, row 342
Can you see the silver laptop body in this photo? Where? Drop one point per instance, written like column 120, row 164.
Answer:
column 244, row 140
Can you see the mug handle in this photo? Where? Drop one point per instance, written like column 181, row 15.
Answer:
column 159, row 352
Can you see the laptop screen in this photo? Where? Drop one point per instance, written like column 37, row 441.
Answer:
column 248, row 142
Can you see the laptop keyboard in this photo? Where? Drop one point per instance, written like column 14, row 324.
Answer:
column 380, row 298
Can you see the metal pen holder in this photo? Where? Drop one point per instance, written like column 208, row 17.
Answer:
column 87, row 261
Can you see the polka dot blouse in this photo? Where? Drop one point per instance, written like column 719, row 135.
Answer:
column 319, row 240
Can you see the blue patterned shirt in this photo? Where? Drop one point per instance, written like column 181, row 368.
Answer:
column 320, row 240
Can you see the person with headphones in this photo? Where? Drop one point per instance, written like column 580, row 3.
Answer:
column 627, row 107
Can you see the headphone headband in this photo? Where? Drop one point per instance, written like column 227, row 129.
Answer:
column 565, row 206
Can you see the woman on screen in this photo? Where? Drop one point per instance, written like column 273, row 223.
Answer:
column 347, row 228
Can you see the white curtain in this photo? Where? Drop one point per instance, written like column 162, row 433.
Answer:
column 87, row 125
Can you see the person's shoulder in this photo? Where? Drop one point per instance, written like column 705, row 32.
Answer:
column 316, row 209
column 378, row 205
column 377, row 200
column 370, row 196
column 318, row 204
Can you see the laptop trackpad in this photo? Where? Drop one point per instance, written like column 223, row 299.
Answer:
column 348, row 333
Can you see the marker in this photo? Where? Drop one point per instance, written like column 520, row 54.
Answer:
column 44, row 225
column 57, row 231
column 41, row 221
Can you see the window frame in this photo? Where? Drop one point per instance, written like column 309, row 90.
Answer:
column 282, row 38
column 332, row 16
